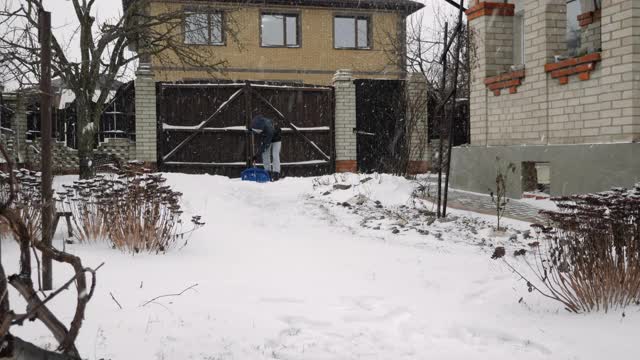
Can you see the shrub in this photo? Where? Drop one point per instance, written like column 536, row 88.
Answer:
column 28, row 200
column 134, row 210
column 500, row 197
column 82, row 200
column 591, row 259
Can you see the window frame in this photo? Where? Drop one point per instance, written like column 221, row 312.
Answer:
column 284, row 15
column 366, row 17
column 519, row 17
column 209, row 13
column 570, row 51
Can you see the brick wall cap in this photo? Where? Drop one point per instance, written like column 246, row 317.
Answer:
column 487, row 8
column 593, row 57
column 518, row 74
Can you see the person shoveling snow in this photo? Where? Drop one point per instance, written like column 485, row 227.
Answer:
column 271, row 143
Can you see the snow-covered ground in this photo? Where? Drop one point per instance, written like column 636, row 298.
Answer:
column 290, row 270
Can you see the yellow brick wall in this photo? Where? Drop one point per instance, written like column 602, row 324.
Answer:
column 314, row 62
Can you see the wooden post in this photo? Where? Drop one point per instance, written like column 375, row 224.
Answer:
column 44, row 19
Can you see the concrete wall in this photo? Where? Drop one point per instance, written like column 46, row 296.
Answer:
column 574, row 168
column 313, row 62
column 598, row 106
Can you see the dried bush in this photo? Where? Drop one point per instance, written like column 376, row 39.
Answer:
column 82, row 200
column 499, row 198
column 590, row 259
column 27, row 199
column 134, row 210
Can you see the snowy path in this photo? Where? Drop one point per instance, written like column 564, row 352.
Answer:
column 280, row 276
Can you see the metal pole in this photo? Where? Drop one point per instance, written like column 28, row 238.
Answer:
column 453, row 112
column 248, row 110
column 443, row 90
column 44, row 19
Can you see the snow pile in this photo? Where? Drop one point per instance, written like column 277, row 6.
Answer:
column 284, row 272
column 385, row 203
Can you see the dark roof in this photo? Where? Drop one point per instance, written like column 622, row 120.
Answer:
column 407, row 6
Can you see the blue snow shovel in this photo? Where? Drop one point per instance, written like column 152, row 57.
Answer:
column 255, row 174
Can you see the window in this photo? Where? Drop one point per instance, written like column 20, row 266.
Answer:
column 280, row 30
column 573, row 27
column 518, row 38
column 202, row 28
column 351, row 32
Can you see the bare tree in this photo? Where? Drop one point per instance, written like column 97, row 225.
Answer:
column 105, row 54
column 12, row 347
column 431, row 52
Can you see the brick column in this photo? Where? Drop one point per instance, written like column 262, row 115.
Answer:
column 417, row 123
column 345, row 122
column 146, row 121
column 491, row 25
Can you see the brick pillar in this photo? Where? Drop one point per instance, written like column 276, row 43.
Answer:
column 417, row 123
column 20, row 127
column 345, row 122
column 146, row 121
column 491, row 25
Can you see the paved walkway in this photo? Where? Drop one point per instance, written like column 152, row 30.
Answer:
column 515, row 209
column 481, row 203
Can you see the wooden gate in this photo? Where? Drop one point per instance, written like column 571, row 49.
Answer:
column 380, row 125
column 203, row 126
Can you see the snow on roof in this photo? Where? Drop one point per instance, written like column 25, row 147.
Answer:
column 67, row 97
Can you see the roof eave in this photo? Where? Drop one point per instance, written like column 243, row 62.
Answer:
column 409, row 7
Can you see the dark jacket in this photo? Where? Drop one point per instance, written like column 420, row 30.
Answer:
column 269, row 133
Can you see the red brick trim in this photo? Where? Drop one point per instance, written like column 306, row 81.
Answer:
column 346, row 166
column 589, row 17
column 418, row 167
column 583, row 66
column 486, row 8
column 510, row 80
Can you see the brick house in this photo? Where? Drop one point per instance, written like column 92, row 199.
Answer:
column 303, row 41
column 555, row 90
column 316, row 42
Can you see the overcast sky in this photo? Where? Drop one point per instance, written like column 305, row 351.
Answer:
column 64, row 21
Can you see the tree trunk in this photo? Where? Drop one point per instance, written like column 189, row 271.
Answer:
column 85, row 131
column 19, row 349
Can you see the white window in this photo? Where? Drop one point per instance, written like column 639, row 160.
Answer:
column 573, row 27
column 518, row 38
column 351, row 32
column 279, row 30
column 202, row 28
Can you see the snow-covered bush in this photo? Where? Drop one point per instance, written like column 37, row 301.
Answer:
column 590, row 256
column 134, row 210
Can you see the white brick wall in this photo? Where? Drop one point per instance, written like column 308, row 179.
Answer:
column 345, row 115
column 146, row 127
column 605, row 108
